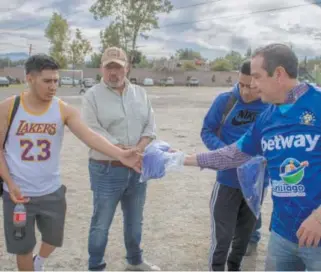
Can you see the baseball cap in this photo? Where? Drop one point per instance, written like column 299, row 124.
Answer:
column 114, row 54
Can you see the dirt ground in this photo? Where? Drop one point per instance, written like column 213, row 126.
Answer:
column 176, row 218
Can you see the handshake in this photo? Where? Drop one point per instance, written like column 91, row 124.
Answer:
column 154, row 161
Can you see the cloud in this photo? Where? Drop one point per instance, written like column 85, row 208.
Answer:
column 238, row 25
column 211, row 27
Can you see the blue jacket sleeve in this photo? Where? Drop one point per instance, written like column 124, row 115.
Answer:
column 212, row 122
column 250, row 142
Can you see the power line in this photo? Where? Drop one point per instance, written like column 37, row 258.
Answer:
column 16, row 8
column 197, row 4
column 241, row 14
column 38, row 24
column 237, row 15
column 207, row 19
column 10, row 9
column 80, row 11
column 175, row 8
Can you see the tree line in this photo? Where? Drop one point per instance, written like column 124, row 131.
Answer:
column 129, row 20
column 7, row 62
column 231, row 61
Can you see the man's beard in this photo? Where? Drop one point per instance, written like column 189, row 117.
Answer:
column 115, row 84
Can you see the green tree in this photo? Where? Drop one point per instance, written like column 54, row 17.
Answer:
column 144, row 63
column 111, row 36
column 57, row 32
column 189, row 65
column 310, row 64
column 248, row 53
column 188, row 54
column 136, row 56
column 95, row 60
column 6, row 62
column 235, row 58
column 221, row 64
column 78, row 50
column 130, row 18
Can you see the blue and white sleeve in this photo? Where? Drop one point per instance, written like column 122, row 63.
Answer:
column 250, row 142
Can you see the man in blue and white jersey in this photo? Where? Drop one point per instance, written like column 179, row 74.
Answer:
column 288, row 135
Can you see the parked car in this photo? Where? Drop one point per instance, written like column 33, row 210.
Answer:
column 88, row 82
column 66, row 81
column 4, row 82
column 192, row 82
column 133, row 80
column 169, row 81
column 162, row 82
column 69, row 81
column 13, row 80
column 148, row 82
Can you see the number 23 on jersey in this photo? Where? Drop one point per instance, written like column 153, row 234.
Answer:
column 29, row 148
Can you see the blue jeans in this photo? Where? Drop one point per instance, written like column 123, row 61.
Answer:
column 111, row 185
column 284, row 255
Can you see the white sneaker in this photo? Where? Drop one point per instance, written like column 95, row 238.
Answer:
column 144, row 266
column 37, row 266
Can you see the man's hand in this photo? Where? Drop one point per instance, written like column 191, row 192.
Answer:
column 309, row 233
column 143, row 143
column 132, row 158
column 16, row 195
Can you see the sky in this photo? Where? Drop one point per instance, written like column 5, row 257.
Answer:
column 211, row 27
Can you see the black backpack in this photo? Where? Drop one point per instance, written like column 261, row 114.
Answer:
column 14, row 111
column 228, row 107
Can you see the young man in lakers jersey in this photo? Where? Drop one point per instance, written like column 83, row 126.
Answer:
column 29, row 163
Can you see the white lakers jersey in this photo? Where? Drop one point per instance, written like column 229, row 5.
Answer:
column 32, row 150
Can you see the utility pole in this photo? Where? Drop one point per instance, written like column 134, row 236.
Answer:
column 30, row 49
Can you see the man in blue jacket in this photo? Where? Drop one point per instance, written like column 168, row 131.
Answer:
column 230, row 116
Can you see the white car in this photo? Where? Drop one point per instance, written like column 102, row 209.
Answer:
column 170, row 81
column 4, row 82
column 148, row 82
column 69, row 81
column 192, row 82
column 66, row 81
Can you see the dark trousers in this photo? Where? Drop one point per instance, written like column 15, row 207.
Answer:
column 232, row 223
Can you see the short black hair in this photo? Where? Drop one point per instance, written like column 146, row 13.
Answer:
column 39, row 62
column 246, row 68
column 277, row 54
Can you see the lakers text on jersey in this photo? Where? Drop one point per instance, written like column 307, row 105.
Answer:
column 33, row 147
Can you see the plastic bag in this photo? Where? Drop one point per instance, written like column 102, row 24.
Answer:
column 251, row 176
column 157, row 161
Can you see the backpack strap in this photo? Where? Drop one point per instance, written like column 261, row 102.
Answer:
column 11, row 117
column 228, row 107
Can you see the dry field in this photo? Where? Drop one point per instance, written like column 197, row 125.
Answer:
column 176, row 218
